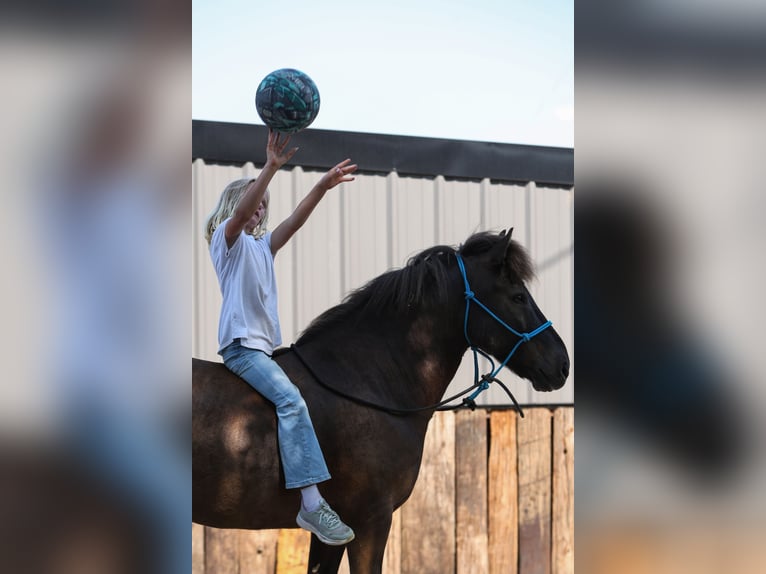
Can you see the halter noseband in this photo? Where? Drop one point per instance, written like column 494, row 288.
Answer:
column 486, row 379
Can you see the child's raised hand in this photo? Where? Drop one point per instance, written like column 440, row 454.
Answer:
column 275, row 149
column 338, row 174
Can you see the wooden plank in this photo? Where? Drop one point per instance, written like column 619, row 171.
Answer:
column 221, row 551
column 198, row 549
column 428, row 517
column 503, row 494
column 562, row 535
column 258, row 551
column 471, row 491
column 392, row 559
column 534, row 444
column 293, row 551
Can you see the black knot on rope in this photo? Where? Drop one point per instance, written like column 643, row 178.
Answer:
column 483, row 385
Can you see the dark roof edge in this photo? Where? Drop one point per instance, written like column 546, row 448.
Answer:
column 234, row 143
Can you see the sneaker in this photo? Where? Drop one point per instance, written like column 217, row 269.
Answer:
column 325, row 523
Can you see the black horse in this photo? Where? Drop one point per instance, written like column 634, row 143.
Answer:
column 396, row 342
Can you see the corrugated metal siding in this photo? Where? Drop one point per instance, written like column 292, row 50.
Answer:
column 376, row 223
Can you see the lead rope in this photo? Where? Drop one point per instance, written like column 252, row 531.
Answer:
column 389, row 410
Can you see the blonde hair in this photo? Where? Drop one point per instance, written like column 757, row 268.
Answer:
column 226, row 205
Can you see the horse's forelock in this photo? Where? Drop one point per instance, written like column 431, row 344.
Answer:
column 519, row 261
column 516, row 256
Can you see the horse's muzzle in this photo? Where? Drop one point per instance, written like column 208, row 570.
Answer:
column 552, row 381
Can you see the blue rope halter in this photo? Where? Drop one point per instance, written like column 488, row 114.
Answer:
column 486, row 379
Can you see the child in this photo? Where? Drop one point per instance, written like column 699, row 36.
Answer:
column 243, row 255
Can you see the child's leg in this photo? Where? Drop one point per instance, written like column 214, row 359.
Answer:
column 310, row 497
column 299, row 449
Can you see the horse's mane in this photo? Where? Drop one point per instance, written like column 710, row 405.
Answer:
column 421, row 282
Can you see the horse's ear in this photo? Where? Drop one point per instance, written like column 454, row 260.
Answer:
column 503, row 255
column 499, row 252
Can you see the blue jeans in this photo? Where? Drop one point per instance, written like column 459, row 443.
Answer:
column 302, row 458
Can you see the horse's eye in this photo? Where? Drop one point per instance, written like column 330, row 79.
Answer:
column 519, row 298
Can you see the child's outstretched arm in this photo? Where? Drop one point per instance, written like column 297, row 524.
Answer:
column 276, row 157
column 285, row 230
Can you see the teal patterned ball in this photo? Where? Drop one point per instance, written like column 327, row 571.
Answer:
column 287, row 100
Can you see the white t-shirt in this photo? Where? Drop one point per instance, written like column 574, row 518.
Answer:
column 249, row 288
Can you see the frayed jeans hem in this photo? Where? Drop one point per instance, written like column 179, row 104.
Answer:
column 308, row 482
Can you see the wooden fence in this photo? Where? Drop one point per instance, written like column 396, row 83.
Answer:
column 495, row 495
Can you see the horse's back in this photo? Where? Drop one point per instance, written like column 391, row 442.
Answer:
column 218, row 396
column 205, row 372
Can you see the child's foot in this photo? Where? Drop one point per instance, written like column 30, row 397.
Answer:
column 325, row 523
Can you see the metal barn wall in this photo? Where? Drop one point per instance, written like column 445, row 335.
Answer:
column 376, row 223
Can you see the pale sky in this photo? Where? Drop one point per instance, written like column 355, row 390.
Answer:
column 485, row 70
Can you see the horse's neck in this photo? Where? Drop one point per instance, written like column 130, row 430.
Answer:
column 433, row 347
column 410, row 358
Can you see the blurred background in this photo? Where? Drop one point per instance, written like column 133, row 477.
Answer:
column 669, row 283
column 94, row 406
